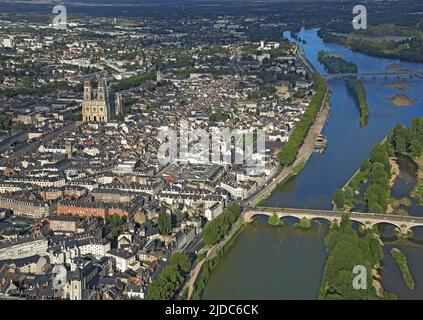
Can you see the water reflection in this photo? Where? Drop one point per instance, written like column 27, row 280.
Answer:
column 287, row 262
column 268, row 262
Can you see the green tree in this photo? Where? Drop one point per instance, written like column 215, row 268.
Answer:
column 170, row 280
column 181, row 260
column 289, row 150
column 19, row 126
column 4, row 122
column 164, row 223
column 339, row 198
column 216, row 230
column 26, row 82
column 274, row 220
column 347, row 250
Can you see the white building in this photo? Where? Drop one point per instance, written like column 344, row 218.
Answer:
column 24, row 247
column 123, row 259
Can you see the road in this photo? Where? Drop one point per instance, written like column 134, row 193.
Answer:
column 34, row 145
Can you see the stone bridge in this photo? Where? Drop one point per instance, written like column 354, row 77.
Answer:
column 368, row 220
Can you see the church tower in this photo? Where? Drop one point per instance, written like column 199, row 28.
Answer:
column 69, row 149
column 119, row 108
column 96, row 107
column 159, row 76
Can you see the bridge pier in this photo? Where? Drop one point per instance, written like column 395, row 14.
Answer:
column 403, row 224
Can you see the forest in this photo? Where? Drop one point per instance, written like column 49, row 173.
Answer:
column 347, row 250
column 334, row 64
column 409, row 49
column 376, row 171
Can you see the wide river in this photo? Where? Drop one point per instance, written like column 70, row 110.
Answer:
column 286, row 262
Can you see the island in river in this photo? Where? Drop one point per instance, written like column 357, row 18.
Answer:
column 401, row 100
column 267, row 262
column 399, row 85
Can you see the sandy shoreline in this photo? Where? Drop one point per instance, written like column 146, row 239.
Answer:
column 399, row 85
column 401, row 100
column 377, row 281
column 395, row 173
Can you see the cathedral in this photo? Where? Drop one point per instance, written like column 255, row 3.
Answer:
column 99, row 105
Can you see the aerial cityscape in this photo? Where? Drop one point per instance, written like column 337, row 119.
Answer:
column 211, row 150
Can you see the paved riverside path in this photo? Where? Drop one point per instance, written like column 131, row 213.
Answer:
column 303, row 155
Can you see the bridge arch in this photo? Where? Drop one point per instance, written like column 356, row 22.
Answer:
column 416, row 228
column 323, row 219
column 251, row 216
column 368, row 220
column 289, row 216
column 366, row 224
column 399, row 227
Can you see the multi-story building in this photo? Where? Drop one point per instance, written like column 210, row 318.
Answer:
column 33, row 209
column 96, row 105
column 81, row 209
column 123, row 259
column 24, row 247
column 91, row 209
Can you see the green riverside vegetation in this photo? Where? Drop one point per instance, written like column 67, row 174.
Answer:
column 358, row 92
column 170, row 280
column 378, row 193
column 418, row 193
column 377, row 171
column 219, row 227
column 406, row 50
column 401, row 260
column 408, row 141
column 347, row 250
column 209, row 265
column 334, row 64
column 290, row 149
column 304, row 223
column 274, row 220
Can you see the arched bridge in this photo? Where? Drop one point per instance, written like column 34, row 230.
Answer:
column 368, row 220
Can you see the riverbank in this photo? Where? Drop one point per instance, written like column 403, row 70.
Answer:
column 418, row 190
column 267, row 262
column 202, row 275
column 395, row 171
column 304, row 153
column 403, row 50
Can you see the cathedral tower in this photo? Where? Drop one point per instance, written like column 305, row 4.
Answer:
column 96, row 107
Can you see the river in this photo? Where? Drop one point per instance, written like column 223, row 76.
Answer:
column 287, row 263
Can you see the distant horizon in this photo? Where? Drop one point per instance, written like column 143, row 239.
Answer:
column 175, row 1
